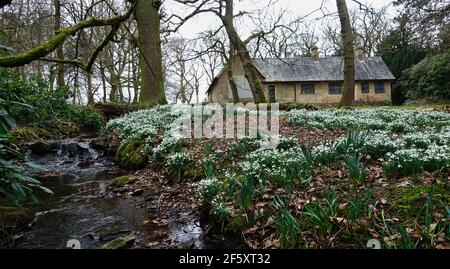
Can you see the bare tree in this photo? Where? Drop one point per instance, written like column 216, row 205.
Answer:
column 348, row 94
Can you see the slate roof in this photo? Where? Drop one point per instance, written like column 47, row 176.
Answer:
column 325, row 69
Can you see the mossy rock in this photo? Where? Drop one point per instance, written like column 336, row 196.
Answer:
column 15, row 217
column 66, row 128
column 131, row 155
column 412, row 200
column 121, row 181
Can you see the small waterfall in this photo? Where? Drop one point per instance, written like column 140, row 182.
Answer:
column 64, row 155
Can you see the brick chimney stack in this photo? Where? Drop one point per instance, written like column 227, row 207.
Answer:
column 360, row 54
column 315, row 53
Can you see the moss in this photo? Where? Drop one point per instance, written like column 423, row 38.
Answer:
column 131, row 155
column 411, row 200
column 15, row 217
column 64, row 128
column 122, row 181
column 25, row 133
column 237, row 223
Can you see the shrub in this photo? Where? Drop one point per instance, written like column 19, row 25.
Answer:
column 15, row 185
column 87, row 118
column 43, row 107
column 428, row 79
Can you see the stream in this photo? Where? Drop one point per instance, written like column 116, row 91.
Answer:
column 82, row 208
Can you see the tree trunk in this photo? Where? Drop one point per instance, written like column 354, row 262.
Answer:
column 233, row 85
column 251, row 73
column 135, row 82
column 60, row 82
column 75, row 87
column 348, row 94
column 182, row 84
column 102, row 74
column 148, row 23
column 114, row 88
column 90, row 92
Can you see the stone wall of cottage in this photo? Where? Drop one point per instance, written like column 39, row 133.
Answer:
column 291, row 91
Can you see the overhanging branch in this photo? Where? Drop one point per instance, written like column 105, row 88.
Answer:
column 45, row 49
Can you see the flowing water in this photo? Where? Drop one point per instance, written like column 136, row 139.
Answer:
column 83, row 209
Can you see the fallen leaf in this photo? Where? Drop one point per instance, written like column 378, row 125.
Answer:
column 343, row 206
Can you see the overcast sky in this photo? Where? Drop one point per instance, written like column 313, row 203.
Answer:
column 294, row 9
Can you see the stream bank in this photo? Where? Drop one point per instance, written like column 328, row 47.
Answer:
column 87, row 207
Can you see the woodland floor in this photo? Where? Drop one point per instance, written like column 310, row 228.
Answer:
column 396, row 205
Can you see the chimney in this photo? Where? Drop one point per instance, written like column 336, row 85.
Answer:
column 360, row 53
column 315, row 53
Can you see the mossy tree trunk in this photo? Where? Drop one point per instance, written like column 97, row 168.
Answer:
column 233, row 85
column 251, row 73
column 148, row 23
column 348, row 94
column 43, row 50
column 60, row 81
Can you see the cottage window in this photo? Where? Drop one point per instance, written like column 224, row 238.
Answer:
column 335, row 88
column 307, row 88
column 379, row 87
column 365, row 87
column 272, row 98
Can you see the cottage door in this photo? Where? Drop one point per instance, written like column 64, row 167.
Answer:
column 272, row 94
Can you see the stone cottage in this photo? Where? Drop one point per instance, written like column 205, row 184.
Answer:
column 314, row 79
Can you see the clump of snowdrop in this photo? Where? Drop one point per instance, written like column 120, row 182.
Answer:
column 395, row 120
column 177, row 164
column 146, row 124
column 209, row 187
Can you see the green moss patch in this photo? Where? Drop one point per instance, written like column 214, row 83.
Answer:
column 122, row 181
column 413, row 199
column 131, row 155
